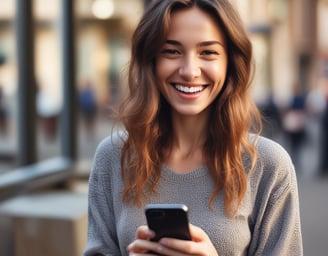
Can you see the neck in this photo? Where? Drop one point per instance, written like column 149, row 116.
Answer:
column 189, row 131
column 189, row 136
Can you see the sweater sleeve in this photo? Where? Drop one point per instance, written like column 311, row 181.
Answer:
column 276, row 225
column 102, row 238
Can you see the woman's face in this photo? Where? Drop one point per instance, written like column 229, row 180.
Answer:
column 191, row 66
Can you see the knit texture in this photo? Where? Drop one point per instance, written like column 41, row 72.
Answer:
column 267, row 223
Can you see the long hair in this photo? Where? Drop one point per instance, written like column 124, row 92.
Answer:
column 146, row 116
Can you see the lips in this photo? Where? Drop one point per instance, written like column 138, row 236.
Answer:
column 189, row 89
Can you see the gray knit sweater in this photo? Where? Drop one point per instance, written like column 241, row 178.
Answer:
column 268, row 222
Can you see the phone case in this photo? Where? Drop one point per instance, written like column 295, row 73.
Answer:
column 168, row 220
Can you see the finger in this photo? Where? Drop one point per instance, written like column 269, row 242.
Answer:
column 197, row 246
column 172, row 246
column 143, row 247
column 143, row 232
column 138, row 246
column 166, row 251
column 197, row 234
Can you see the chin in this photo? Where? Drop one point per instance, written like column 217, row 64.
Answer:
column 188, row 112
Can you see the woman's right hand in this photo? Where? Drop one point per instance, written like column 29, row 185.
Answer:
column 142, row 244
column 200, row 245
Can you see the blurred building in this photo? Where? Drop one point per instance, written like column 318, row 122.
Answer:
column 290, row 44
column 102, row 36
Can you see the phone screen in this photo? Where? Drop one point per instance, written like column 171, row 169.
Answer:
column 168, row 220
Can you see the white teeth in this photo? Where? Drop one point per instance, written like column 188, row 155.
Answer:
column 187, row 89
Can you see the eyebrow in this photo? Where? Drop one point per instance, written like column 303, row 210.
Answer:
column 205, row 43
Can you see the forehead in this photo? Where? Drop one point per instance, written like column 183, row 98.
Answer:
column 194, row 22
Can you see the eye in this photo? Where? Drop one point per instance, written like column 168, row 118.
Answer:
column 170, row 52
column 209, row 52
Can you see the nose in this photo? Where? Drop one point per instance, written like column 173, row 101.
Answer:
column 190, row 68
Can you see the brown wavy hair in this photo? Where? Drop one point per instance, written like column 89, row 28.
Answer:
column 146, row 115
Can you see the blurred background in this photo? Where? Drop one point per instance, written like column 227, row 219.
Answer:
column 62, row 66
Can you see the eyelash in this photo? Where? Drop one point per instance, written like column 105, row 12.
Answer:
column 209, row 52
column 170, row 51
column 173, row 51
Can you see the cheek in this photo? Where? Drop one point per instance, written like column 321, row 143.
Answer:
column 161, row 69
column 162, row 73
column 217, row 73
column 165, row 68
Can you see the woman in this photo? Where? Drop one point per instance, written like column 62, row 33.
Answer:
column 187, row 118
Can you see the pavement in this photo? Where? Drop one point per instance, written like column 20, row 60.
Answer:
column 313, row 193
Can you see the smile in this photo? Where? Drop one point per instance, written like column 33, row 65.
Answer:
column 188, row 89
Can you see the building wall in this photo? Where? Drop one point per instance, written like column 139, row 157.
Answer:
column 322, row 10
column 289, row 39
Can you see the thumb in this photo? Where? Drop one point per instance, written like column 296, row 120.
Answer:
column 143, row 232
column 197, row 234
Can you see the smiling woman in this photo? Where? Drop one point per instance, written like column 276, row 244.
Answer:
column 191, row 137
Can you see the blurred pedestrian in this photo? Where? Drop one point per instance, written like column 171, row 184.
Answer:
column 315, row 103
column 3, row 113
column 324, row 137
column 3, row 106
column 271, row 118
column 48, row 108
column 88, row 105
column 294, row 121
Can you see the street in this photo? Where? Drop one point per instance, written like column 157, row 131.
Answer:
column 314, row 215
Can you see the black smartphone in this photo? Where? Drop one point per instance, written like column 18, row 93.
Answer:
column 168, row 220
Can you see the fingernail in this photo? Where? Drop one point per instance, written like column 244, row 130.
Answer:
column 150, row 233
column 163, row 241
column 160, row 248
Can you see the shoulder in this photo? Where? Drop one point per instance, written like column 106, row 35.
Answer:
column 271, row 152
column 274, row 165
column 105, row 169
column 109, row 150
column 111, row 144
